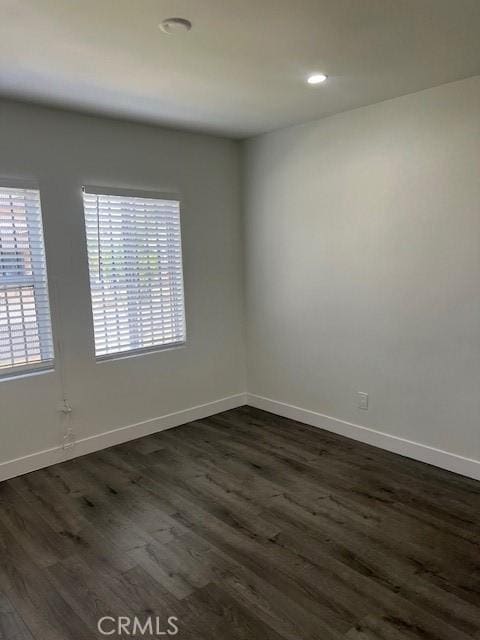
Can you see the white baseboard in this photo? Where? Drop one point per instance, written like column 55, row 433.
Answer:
column 436, row 457
column 45, row 458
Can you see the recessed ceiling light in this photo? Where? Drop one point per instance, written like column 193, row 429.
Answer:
column 316, row 78
column 175, row 25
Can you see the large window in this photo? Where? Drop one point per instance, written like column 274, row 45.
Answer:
column 135, row 262
column 25, row 328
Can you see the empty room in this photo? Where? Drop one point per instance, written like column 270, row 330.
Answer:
column 240, row 319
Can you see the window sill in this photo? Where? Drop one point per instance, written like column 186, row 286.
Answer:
column 10, row 376
column 126, row 355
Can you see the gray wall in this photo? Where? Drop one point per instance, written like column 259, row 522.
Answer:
column 363, row 266
column 64, row 151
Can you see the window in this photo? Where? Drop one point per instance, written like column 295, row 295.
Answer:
column 25, row 327
column 135, row 263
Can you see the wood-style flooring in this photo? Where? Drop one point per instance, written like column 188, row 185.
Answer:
column 243, row 525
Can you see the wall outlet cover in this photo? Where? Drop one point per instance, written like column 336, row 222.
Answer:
column 362, row 400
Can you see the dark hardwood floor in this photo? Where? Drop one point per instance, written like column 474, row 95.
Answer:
column 243, row 525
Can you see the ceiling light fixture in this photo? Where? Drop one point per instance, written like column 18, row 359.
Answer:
column 316, row 78
column 175, row 25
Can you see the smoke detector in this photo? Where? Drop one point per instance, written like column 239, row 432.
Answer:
column 175, row 25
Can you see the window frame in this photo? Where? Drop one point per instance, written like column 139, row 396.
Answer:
column 47, row 365
column 146, row 194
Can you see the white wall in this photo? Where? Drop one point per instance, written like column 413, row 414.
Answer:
column 363, row 267
column 362, row 270
column 64, row 151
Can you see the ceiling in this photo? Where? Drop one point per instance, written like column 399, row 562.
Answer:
column 241, row 70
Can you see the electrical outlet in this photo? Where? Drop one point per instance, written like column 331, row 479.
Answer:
column 362, row 400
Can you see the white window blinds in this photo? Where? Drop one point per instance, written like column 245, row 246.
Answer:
column 25, row 327
column 136, row 279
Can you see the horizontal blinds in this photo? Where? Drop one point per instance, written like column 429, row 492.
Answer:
column 25, row 327
column 136, row 279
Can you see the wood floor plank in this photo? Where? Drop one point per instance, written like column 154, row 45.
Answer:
column 12, row 627
column 244, row 525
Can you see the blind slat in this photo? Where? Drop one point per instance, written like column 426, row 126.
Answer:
column 25, row 325
column 136, row 278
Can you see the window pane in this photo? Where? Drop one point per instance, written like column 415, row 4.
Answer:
column 25, row 327
column 136, row 280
